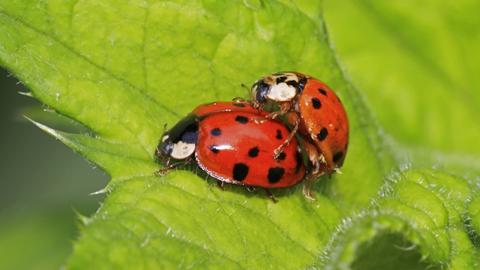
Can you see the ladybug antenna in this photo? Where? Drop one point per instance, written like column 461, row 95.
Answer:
column 246, row 88
column 164, row 128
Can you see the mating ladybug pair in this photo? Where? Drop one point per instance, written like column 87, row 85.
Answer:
column 295, row 128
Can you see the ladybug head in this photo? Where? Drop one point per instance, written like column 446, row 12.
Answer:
column 179, row 143
column 278, row 87
column 260, row 90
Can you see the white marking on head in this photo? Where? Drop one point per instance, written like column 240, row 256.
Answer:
column 165, row 138
column 282, row 92
column 182, row 150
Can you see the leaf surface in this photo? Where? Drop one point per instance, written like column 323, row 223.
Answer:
column 124, row 69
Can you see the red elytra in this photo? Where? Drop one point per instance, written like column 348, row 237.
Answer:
column 325, row 120
column 234, row 148
column 230, row 145
column 321, row 115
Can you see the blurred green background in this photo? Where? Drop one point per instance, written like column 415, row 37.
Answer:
column 38, row 201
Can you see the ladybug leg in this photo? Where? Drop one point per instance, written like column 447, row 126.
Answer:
column 241, row 100
column 255, row 104
column 284, row 108
column 317, row 164
column 317, row 168
column 221, row 184
column 250, row 189
column 307, row 188
column 270, row 195
column 164, row 170
column 170, row 166
column 280, row 148
column 309, row 181
column 238, row 100
column 272, row 115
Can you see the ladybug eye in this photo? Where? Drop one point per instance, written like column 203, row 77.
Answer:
column 165, row 148
column 260, row 91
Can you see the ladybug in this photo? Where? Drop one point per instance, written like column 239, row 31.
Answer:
column 313, row 109
column 177, row 138
column 225, row 140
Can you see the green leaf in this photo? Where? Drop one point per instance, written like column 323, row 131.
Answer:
column 419, row 61
column 427, row 209
column 125, row 69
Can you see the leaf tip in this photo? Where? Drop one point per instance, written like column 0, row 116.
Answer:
column 100, row 191
column 26, row 94
column 47, row 129
column 84, row 220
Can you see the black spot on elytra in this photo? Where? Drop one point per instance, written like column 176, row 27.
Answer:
column 282, row 156
column 316, row 103
column 322, row 91
column 337, row 157
column 241, row 119
column 216, row 132
column 214, row 149
column 240, row 171
column 279, row 134
column 253, row 152
column 241, row 105
column 275, row 174
column 280, row 79
column 322, row 134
